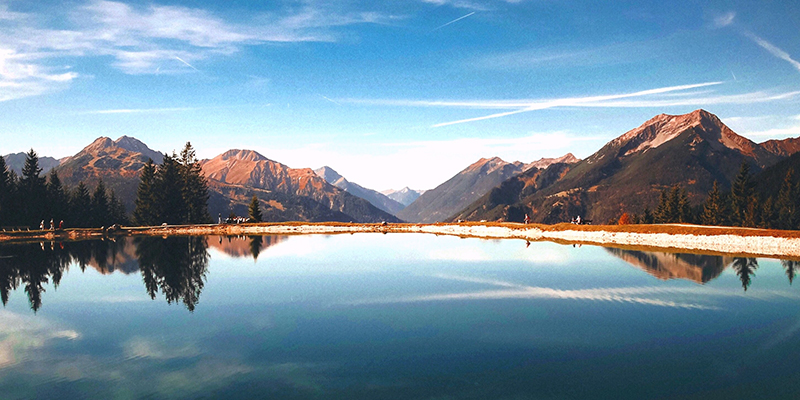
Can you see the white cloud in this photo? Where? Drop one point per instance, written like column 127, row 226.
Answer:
column 724, row 19
column 774, row 50
column 153, row 39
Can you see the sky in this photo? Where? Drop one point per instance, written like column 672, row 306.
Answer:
column 389, row 93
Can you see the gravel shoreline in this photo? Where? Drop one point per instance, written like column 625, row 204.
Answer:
column 702, row 239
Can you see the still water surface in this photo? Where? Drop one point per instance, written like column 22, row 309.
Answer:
column 404, row 316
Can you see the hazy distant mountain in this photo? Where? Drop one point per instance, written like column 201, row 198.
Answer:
column 404, row 196
column 375, row 198
column 286, row 193
column 116, row 162
column 629, row 172
column 459, row 191
column 16, row 161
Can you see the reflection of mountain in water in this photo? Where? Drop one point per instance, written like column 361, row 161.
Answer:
column 694, row 267
column 244, row 246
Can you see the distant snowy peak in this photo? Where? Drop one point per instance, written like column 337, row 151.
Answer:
column 329, row 175
column 404, row 196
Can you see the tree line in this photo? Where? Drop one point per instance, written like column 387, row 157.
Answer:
column 174, row 192
column 31, row 199
column 742, row 205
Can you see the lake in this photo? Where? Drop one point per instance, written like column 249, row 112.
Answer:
column 396, row 316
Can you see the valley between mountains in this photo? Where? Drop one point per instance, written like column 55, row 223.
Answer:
column 627, row 175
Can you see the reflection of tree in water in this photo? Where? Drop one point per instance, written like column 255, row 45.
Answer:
column 791, row 268
column 255, row 246
column 33, row 265
column 744, row 268
column 176, row 265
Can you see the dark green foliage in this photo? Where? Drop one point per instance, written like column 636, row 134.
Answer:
column 99, row 206
column 31, row 201
column 6, row 193
column 195, row 187
column 787, row 205
column 57, row 198
column 673, row 207
column 254, row 211
column 715, row 209
column 745, row 268
column 176, row 192
column 741, row 199
column 145, row 212
column 116, row 210
column 81, row 207
column 175, row 265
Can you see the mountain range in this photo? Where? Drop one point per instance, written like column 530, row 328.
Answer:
column 626, row 175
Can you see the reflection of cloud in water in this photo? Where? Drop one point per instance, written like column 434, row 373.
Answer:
column 140, row 347
column 19, row 334
column 639, row 295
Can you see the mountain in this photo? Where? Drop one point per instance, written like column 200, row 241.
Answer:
column 628, row 173
column 16, row 161
column 459, row 191
column 698, row 268
column 375, row 198
column 404, row 196
column 116, row 162
column 285, row 193
column 543, row 163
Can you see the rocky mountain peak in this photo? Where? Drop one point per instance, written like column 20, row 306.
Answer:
column 328, row 174
column 245, row 155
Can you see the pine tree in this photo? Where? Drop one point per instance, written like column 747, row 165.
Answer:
column 195, row 188
column 788, row 214
column 647, row 216
column 170, row 204
column 741, row 193
column 80, row 206
column 6, row 192
column 116, row 210
column 768, row 214
column 684, row 209
column 145, row 212
column 57, row 198
column 662, row 211
column 99, row 206
column 31, row 200
column 254, row 211
column 714, row 212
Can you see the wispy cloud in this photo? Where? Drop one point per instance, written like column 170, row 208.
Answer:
column 143, row 39
column 724, row 20
column 670, row 96
column 774, row 50
column 477, row 5
column 140, row 110
column 453, row 21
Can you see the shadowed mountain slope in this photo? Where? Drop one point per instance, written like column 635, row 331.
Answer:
column 375, row 198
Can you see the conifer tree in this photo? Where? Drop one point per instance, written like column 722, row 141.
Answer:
column 31, row 199
column 170, row 204
column 145, row 212
column 57, row 198
column 768, row 214
column 6, row 192
column 662, row 211
column 647, row 216
column 116, row 210
column 194, row 186
column 741, row 193
column 714, row 210
column 787, row 203
column 99, row 206
column 684, row 209
column 254, row 211
column 80, row 206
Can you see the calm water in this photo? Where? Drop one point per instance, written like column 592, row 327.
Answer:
column 391, row 316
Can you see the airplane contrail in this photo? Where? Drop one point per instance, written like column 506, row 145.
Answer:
column 189, row 65
column 332, row 101
column 453, row 21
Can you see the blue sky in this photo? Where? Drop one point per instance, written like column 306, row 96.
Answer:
column 389, row 93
